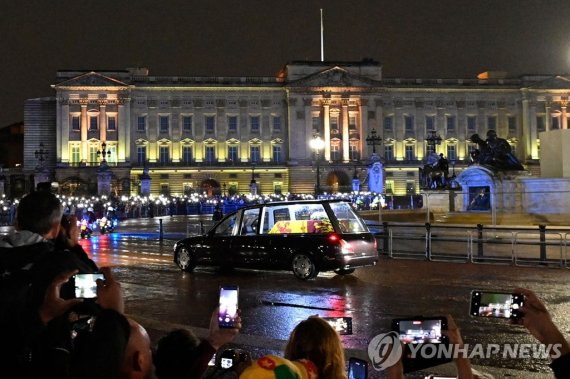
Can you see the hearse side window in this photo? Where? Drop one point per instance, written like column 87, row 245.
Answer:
column 310, row 218
column 226, row 227
column 250, row 222
column 348, row 222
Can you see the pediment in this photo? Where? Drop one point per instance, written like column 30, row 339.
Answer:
column 333, row 77
column 91, row 79
column 556, row 82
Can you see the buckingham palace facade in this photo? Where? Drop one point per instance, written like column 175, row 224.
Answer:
column 216, row 134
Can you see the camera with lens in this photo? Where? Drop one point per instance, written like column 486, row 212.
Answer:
column 230, row 358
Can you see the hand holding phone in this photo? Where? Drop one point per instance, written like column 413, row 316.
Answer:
column 86, row 285
column 496, row 304
column 227, row 315
column 420, row 329
column 357, row 368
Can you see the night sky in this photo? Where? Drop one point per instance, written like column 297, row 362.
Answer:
column 411, row 38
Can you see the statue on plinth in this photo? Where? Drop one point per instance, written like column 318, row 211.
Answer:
column 495, row 153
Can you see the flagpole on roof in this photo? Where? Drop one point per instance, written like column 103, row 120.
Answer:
column 322, row 38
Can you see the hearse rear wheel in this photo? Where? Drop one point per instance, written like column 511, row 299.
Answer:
column 303, row 267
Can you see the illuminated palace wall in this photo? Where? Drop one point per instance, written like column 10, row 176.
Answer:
column 214, row 133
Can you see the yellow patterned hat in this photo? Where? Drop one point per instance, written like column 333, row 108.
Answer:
column 274, row 367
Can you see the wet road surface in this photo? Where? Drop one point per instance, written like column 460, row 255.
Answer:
column 162, row 297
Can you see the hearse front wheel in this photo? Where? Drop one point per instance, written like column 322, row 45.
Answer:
column 185, row 259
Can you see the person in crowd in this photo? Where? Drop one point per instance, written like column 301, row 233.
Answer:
column 315, row 340
column 218, row 214
column 42, row 248
column 538, row 321
column 180, row 354
column 462, row 363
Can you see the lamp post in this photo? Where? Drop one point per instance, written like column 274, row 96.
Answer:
column 432, row 140
column 253, row 183
column 317, row 144
column 103, row 154
column 41, row 155
column 373, row 140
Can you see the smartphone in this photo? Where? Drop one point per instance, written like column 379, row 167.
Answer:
column 496, row 304
column 227, row 315
column 420, row 329
column 86, row 285
column 343, row 325
column 357, row 368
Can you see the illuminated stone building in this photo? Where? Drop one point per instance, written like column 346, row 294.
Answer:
column 216, row 134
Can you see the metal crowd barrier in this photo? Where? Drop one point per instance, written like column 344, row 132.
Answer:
column 519, row 246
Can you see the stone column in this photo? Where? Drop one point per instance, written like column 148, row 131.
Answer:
column 327, row 131
column 63, row 137
column 345, row 134
column 563, row 106
column 123, row 127
column 102, row 121
column 363, row 127
column 84, row 126
column 547, row 116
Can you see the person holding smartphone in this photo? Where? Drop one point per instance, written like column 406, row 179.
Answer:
column 537, row 320
column 31, row 258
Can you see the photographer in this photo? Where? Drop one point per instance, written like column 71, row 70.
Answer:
column 31, row 258
column 539, row 323
column 180, row 354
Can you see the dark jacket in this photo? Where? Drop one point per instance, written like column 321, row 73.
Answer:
column 28, row 265
column 561, row 366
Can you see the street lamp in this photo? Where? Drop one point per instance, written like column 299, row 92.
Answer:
column 373, row 140
column 432, row 140
column 317, row 144
column 253, row 183
column 103, row 154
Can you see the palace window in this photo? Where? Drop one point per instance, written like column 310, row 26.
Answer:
column 512, row 120
column 389, row 123
column 187, row 154
column 410, row 153
column 187, row 124
column 555, row 122
column 353, row 152
column 409, row 124
column 430, row 123
column 93, row 123
column 254, row 123
column 163, row 124
column 492, row 123
column 352, row 123
column 450, row 124
column 164, row 154
column 389, row 152
column 233, row 153
column 232, row 123
column 111, row 123
column 75, row 154
column 141, row 123
column 75, row 123
column 277, row 154
column 335, row 152
column 451, row 152
column 210, row 124
column 141, row 154
column 276, row 123
column 471, row 125
column 210, row 154
column 93, row 156
column 254, row 153
column 540, row 123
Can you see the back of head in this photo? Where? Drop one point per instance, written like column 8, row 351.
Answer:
column 315, row 339
column 38, row 212
column 175, row 353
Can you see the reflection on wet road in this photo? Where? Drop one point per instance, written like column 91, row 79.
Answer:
column 272, row 303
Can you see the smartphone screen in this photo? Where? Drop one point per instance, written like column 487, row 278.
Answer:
column 86, row 285
column 343, row 325
column 420, row 330
column 496, row 304
column 357, row 369
column 228, row 306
